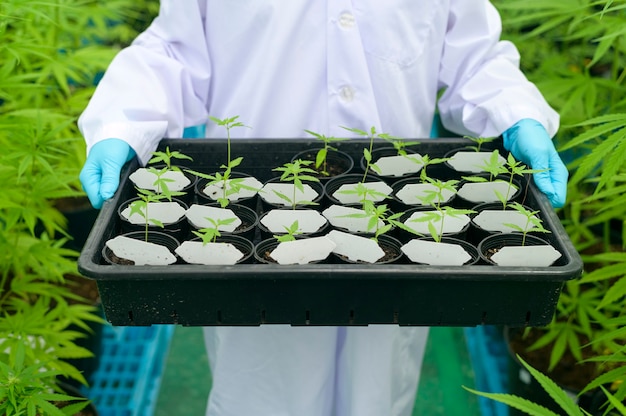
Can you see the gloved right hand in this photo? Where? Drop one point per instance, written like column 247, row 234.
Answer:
column 100, row 175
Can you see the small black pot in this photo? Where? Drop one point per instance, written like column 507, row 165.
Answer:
column 390, row 245
column 334, row 184
column 203, row 198
column 400, row 205
column 452, row 152
column 465, row 203
column 155, row 237
column 240, row 242
column 188, row 190
column 476, row 233
column 178, row 229
column 497, row 241
column 340, row 163
column 317, row 186
column 265, row 247
column 249, row 220
column 405, row 236
column 385, row 152
column 266, row 233
column 468, row 247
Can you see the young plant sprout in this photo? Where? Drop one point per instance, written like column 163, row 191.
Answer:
column 479, row 141
column 161, row 181
column 533, row 222
column 321, row 156
column 210, row 234
column 436, row 197
column 296, row 172
column 140, row 207
column 439, row 215
column 377, row 215
column 166, row 158
column 291, row 233
column 229, row 186
column 367, row 152
column 398, row 143
column 426, row 161
column 364, row 193
column 228, row 123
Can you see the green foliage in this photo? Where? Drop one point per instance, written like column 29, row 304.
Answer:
column 230, row 186
column 556, row 393
column 290, row 233
column 320, row 158
column 51, row 54
column 296, row 172
column 367, row 152
column 574, row 53
column 533, row 222
column 479, row 141
column 210, row 234
column 364, row 193
column 166, row 158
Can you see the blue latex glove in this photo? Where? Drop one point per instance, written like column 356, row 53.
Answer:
column 529, row 143
column 100, row 175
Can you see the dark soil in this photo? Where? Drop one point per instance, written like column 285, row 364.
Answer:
column 568, row 373
column 333, row 167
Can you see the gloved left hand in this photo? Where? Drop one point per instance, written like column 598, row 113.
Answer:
column 530, row 143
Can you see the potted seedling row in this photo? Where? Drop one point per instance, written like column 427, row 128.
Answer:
column 386, row 238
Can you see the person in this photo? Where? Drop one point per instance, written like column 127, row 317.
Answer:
column 287, row 66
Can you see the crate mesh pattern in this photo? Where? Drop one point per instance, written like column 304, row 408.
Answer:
column 128, row 377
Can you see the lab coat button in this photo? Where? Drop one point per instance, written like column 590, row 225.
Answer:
column 346, row 94
column 346, row 20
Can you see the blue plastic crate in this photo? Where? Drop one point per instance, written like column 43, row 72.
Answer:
column 489, row 357
column 127, row 380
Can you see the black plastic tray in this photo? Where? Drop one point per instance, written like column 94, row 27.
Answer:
column 320, row 294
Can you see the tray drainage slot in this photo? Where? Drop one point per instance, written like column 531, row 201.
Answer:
column 483, row 320
column 307, row 319
column 395, row 317
column 219, row 317
column 263, row 320
column 130, row 316
column 351, row 317
column 527, row 318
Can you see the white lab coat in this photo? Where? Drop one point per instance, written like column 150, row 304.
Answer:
column 288, row 65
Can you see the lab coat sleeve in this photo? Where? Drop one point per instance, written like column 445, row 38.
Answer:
column 155, row 87
column 485, row 91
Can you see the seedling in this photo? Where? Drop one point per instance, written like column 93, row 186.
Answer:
column 291, row 232
column 398, row 143
column 426, row 161
column 439, row 215
column 367, row 152
column 364, row 193
column 296, row 172
column 511, row 169
column 321, row 156
column 377, row 214
column 533, row 222
column 140, row 207
column 436, row 197
column 166, row 158
column 479, row 141
column 229, row 186
column 210, row 234
column 160, row 183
